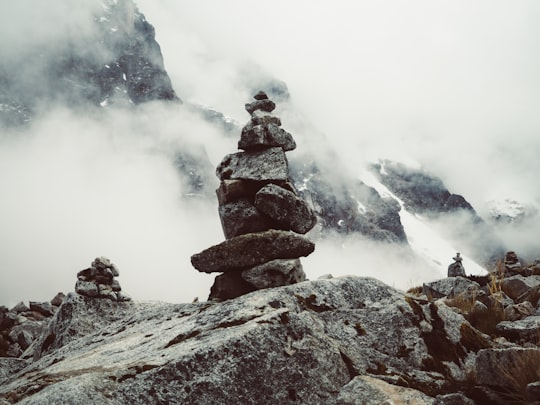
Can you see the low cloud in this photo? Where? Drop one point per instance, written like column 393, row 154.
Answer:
column 76, row 188
column 451, row 87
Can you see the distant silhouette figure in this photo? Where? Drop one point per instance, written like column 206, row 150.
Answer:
column 456, row 268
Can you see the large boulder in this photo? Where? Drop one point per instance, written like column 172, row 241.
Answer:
column 252, row 249
column 518, row 311
column 284, row 207
column 508, row 369
column 517, row 285
column 302, row 343
column 263, row 165
column 520, row 331
column 438, row 288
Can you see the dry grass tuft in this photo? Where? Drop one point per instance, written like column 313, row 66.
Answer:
column 496, row 278
column 416, row 291
column 463, row 302
column 519, row 373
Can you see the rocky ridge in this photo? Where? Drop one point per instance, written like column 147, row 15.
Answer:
column 347, row 340
column 261, row 215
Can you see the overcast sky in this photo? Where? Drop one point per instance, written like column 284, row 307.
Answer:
column 454, row 83
column 451, row 86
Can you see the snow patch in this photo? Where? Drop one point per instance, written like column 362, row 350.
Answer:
column 507, row 208
column 424, row 241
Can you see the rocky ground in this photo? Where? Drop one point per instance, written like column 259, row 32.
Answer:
column 346, row 340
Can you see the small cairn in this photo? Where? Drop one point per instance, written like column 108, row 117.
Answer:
column 456, row 269
column 98, row 281
column 262, row 217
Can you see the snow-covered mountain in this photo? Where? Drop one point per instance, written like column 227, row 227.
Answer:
column 94, row 129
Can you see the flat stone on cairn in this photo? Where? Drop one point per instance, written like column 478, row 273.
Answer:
column 252, row 249
column 262, row 217
column 98, row 281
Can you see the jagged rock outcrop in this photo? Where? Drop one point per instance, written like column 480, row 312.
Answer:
column 21, row 325
column 346, row 340
column 262, row 217
column 498, row 304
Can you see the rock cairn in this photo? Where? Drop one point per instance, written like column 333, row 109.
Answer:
column 262, row 217
column 98, row 281
column 456, row 269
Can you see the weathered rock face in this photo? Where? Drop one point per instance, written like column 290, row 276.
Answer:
column 342, row 340
column 324, row 341
column 257, row 205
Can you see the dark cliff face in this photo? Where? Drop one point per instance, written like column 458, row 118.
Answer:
column 346, row 206
column 425, row 194
column 116, row 60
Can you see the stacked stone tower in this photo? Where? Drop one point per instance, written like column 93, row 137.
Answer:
column 262, row 217
column 99, row 281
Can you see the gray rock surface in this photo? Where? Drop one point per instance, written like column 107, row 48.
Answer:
column 456, row 269
column 518, row 311
column 501, row 368
column 523, row 330
column 229, row 285
column 262, row 105
column 9, row 367
column 241, row 217
column 252, row 249
column 264, row 118
column 284, row 207
column 275, row 273
column 78, row 316
column 265, row 135
column 264, row 165
column 345, row 340
column 365, row 390
column 456, row 398
column 302, row 343
column 439, row 288
column 515, row 286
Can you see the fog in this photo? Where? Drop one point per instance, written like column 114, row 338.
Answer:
column 449, row 86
